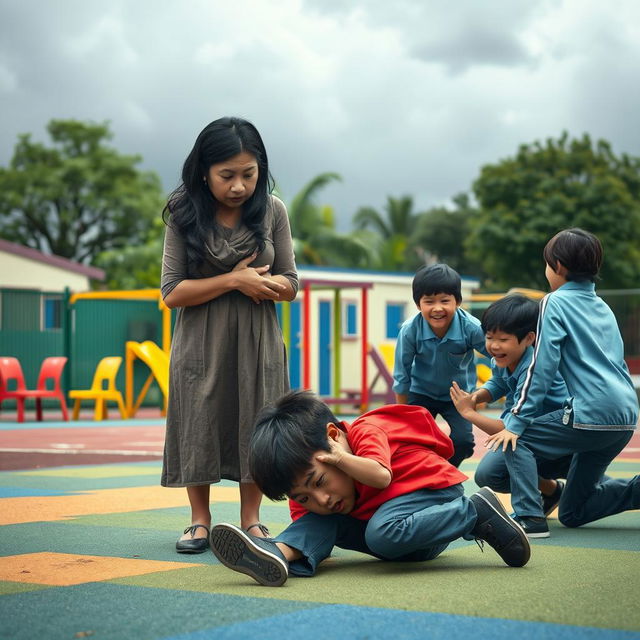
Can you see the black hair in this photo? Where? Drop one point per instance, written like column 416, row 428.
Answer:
column 436, row 278
column 578, row 251
column 191, row 206
column 285, row 437
column 514, row 313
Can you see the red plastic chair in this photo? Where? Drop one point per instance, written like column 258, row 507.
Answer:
column 51, row 369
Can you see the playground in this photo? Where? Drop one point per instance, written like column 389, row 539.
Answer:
column 88, row 540
column 88, row 535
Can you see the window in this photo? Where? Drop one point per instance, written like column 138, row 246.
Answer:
column 51, row 313
column 349, row 319
column 395, row 318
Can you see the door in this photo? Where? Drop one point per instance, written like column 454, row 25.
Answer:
column 324, row 346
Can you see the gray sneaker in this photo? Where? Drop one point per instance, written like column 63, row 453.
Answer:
column 259, row 558
column 498, row 530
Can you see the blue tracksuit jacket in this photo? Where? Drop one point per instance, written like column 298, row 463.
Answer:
column 505, row 383
column 578, row 337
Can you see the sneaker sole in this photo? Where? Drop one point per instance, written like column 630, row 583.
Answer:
column 235, row 550
column 492, row 500
column 541, row 534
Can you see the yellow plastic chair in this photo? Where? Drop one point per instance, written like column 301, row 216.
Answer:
column 106, row 372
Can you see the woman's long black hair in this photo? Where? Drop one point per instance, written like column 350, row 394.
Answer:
column 191, row 207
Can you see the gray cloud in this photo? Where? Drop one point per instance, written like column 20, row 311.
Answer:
column 408, row 97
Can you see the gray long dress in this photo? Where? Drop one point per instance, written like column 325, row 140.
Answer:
column 227, row 357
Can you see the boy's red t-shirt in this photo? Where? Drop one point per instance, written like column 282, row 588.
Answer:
column 406, row 440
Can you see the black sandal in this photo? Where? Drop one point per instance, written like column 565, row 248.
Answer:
column 194, row 545
column 263, row 529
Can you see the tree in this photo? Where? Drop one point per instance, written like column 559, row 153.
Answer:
column 78, row 197
column 547, row 187
column 440, row 233
column 315, row 238
column 392, row 234
column 135, row 266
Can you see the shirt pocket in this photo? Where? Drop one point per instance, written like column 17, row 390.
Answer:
column 460, row 360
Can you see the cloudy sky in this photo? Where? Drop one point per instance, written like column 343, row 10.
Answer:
column 398, row 96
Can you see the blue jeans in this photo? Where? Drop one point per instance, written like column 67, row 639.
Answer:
column 461, row 429
column 492, row 471
column 589, row 495
column 414, row 527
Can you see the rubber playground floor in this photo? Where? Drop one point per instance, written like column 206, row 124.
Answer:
column 87, row 551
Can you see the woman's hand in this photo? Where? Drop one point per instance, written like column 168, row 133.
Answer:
column 255, row 283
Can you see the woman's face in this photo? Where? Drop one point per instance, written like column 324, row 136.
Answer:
column 233, row 181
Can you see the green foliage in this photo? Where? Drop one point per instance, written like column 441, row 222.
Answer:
column 391, row 234
column 547, row 187
column 315, row 238
column 135, row 267
column 77, row 198
column 439, row 234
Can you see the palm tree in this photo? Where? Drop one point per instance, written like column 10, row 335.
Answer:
column 315, row 238
column 392, row 232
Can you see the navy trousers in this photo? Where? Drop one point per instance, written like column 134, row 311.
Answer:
column 414, row 527
column 589, row 495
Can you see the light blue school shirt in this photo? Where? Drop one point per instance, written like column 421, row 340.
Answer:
column 427, row 365
column 578, row 337
column 507, row 384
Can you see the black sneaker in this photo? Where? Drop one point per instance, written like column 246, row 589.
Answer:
column 549, row 503
column 534, row 527
column 259, row 558
column 497, row 529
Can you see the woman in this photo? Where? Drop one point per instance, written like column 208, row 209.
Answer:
column 228, row 257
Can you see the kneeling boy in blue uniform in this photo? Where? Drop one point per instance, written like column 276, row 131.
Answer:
column 578, row 337
column 381, row 485
column 509, row 325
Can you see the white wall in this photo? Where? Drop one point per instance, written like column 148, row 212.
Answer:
column 19, row 272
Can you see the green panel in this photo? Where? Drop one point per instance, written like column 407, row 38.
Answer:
column 101, row 328
column 21, row 336
column 626, row 307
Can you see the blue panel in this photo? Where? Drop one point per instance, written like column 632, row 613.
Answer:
column 355, row 623
column 52, row 313
column 395, row 317
column 324, row 346
column 113, row 612
column 351, row 328
column 294, row 345
column 22, row 492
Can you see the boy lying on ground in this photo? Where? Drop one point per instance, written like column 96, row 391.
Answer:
column 381, row 485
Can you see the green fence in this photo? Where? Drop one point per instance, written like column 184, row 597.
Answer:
column 100, row 328
column 32, row 327
column 35, row 325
